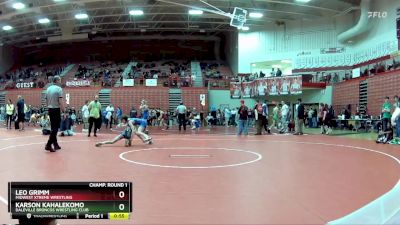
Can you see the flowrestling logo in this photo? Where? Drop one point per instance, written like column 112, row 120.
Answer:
column 379, row 15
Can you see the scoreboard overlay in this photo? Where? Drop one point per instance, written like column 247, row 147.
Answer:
column 70, row 200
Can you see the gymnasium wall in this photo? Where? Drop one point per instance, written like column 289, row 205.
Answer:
column 346, row 93
column 157, row 97
column 191, row 97
column 379, row 87
column 128, row 97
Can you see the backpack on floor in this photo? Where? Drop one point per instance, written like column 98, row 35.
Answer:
column 384, row 138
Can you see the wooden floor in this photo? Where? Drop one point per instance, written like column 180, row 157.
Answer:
column 214, row 177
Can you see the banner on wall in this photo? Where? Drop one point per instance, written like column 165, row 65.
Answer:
column 236, row 89
column 128, row 82
column 248, row 89
column 271, row 86
column 25, row 85
column 78, row 83
column 151, row 82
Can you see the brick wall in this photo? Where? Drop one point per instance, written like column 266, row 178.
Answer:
column 78, row 96
column 157, row 97
column 344, row 94
column 191, row 97
column 31, row 96
column 381, row 86
column 125, row 98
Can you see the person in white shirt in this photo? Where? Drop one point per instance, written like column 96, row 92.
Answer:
column 110, row 115
column 285, row 87
column 85, row 115
column 284, row 117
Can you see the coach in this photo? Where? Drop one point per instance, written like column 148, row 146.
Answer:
column 54, row 94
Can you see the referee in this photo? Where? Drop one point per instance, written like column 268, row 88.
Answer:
column 181, row 112
column 54, row 94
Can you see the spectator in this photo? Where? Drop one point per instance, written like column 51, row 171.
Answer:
column 258, row 114
column 10, row 113
column 299, row 118
column 21, row 113
column 243, row 116
column 284, row 117
column 386, row 115
column 45, row 124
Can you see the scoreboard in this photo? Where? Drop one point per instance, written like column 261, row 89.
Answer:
column 70, row 200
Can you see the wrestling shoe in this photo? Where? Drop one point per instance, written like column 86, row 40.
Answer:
column 57, row 147
column 98, row 144
column 49, row 148
column 149, row 141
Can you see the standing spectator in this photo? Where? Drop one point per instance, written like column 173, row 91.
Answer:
column 279, row 73
column 10, row 112
column 181, row 112
column 275, row 117
column 395, row 106
column 227, row 115
column 214, row 115
column 320, row 114
column 21, row 113
column 310, row 114
column 243, row 115
column 386, row 115
column 284, row 118
column 119, row 114
column 299, row 118
column 265, row 117
column 110, row 115
column 94, row 115
column 85, row 115
column 258, row 114
column 54, row 94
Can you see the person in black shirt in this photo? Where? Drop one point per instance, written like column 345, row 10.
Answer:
column 258, row 113
column 21, row 113
column 243, row 115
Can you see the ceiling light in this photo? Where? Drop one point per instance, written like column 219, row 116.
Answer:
column 44, row 20
column 136, row 12
column 202, row 31
column 195, row 12
column 7, row 27
column 245, row 28
column 142, row 30
column 253, row 65
column 286, row 61
column 255, row 15
column 59, row 0
column 18, row 5
column 303, row 1
column 81, row 16
column 276, row 66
